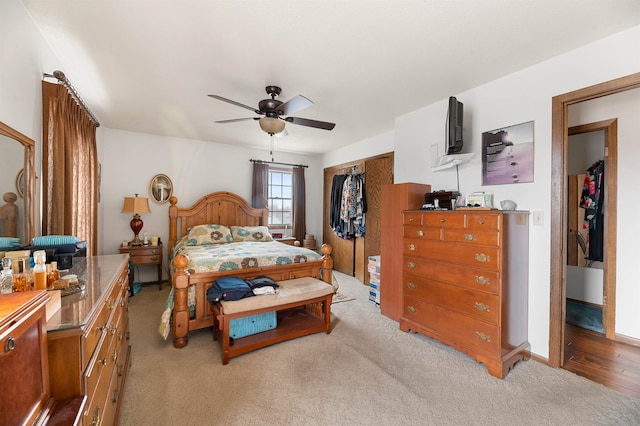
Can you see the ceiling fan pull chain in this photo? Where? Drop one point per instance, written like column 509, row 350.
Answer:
column 271, row 150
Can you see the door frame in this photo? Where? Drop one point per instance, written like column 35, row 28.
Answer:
column 559, row 188
column 610, row 128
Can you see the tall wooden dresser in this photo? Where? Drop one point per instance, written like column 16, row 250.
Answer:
column 395, row 198
column 465, row 282
column 88, row 339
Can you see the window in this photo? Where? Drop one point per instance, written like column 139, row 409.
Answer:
column 280, row 197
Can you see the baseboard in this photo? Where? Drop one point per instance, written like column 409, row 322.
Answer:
column 627, row 340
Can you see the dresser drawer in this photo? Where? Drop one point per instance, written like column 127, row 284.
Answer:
column 483, row 221
column 477, row 304
column 143, row 251
column 469, row 236
column 454, row 328
column 102, row 322
column 145, row 260
column 465, row 254
column 413, row 218
column 474, row 279
column 445, row 219
column 422, row 232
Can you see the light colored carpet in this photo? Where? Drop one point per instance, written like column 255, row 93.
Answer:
column 366, row 372
column 341, row 297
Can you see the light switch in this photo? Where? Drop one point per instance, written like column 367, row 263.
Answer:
column 538, row 218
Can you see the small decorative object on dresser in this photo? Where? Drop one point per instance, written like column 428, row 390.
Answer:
column 465, row 282
column 144, row 256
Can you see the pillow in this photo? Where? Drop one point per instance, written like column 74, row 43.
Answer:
column 54, row 240
column 201, row 235
column 250, row 233
column 9, row 242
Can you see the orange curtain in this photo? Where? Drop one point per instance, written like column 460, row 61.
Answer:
column 69, row 168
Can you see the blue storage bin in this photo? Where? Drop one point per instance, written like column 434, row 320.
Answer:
column 241, row 327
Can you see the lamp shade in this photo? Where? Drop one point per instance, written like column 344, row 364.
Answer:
column 135, row 205
column 271, row 125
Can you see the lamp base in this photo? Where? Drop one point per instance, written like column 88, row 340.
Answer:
column 136, row 226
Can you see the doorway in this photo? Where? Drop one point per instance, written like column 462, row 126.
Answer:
column 560, row 133
column 606, row 147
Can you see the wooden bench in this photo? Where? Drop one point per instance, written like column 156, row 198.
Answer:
column 303, row 307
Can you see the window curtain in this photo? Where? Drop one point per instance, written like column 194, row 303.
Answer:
column 299, row 202
column 259, row 191
column 69, row 168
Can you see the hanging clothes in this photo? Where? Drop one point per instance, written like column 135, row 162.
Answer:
column 592, row 201
column 348, row 200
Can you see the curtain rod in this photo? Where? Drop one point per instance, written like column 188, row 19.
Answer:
column 275, row 162
column 74, row 94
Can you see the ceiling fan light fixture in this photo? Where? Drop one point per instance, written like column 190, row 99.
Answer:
column 271, row 125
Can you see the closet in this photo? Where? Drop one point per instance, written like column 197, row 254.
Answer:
column 351, row 256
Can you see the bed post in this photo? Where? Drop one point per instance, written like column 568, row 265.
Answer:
column 180, row 304
column 327, row 263
column 173, row 223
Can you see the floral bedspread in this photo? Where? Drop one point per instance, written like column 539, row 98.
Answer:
column 230, row 256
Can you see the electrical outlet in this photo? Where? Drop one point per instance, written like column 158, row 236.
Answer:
column 538, row 218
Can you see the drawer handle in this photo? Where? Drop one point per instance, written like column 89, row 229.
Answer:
column 115, row 396
column 411, row 265
column 102, row 361
column 481, row 280
column 112, row 303
column 481, row 257
column 121, row 281
column 96, row 417
column 442, row 219
column 420, row 233
column 483, row 337
column 410, row 219
column 154, row 258
column 469, row 237
column 482, row 307
column 114, row 356
column 9, row 344
column 120, row 334
column 122, row 302
column 412, row 247
column 411, row 286
column 411, row 309
column 101, row 328
column 113, row 329
column 481, row 221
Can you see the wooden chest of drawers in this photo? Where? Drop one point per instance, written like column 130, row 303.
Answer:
column 465, row 282
column 88, row 341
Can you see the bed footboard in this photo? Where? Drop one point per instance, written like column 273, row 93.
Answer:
column 184, row 320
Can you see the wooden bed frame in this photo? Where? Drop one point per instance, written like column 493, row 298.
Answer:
column 223, row 208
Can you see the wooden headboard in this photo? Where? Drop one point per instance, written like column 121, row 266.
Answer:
column 222, row 208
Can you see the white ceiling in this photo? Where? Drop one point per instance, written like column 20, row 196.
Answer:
column 147, row 66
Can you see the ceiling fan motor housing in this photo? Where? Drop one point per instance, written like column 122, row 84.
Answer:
column 270, row 107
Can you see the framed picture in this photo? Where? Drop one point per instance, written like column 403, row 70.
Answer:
column 507, row 155
column 161, row 188
column 20, row 183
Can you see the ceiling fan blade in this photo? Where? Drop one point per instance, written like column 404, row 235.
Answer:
column 233, row 120
column 294, row 105
column 310, row 123
column 220, row 98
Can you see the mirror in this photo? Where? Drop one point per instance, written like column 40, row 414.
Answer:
column 17, row 184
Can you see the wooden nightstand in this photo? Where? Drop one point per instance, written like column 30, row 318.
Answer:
column 145, row 255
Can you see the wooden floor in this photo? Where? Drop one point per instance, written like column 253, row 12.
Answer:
column 613, row 364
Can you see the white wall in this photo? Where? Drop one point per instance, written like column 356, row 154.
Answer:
column 25, row 57
column 517, row 98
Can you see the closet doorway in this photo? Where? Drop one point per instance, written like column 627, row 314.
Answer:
column 558, row 252
column 351, row 256
column 588, row 281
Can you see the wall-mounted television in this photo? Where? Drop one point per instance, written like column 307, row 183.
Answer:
column 454, row 126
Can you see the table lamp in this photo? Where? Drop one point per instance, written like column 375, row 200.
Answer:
column 136, row 206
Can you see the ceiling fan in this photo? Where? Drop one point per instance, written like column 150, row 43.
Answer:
column 274, row 111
